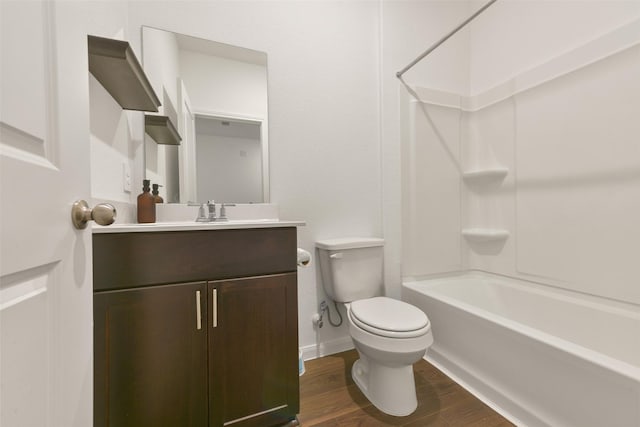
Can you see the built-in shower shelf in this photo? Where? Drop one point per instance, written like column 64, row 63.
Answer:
column 113, row 63
column 494, row 173
column 161, row 129
column 485, row 234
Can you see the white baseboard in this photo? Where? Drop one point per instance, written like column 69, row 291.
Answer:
column 313, row 351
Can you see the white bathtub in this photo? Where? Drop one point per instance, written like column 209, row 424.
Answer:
column 540, row 357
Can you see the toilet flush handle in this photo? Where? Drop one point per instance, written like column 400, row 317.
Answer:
column 337, row 255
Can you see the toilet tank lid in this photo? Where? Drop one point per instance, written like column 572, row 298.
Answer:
column 349, row 243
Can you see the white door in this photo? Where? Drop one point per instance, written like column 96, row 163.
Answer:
column 46, row 327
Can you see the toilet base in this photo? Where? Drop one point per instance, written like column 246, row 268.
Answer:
column 391, row 389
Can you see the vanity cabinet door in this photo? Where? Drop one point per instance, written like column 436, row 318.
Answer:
column 150, row 347
column 253, row 342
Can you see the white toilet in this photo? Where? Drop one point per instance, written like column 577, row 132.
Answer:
column 390, row 335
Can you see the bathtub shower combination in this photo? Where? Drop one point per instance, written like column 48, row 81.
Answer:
column 539, row 174
column 540, row 356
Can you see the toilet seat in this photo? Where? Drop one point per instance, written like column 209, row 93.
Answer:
column 389, row 318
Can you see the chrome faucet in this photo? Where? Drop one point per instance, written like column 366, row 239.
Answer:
column 207, row 211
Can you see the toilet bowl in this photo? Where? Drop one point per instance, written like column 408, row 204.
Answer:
column 389, row 335
column 384, row 371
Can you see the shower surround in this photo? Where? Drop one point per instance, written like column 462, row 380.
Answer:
column 537, row 181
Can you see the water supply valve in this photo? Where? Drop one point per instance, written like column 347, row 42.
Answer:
column 317, row 318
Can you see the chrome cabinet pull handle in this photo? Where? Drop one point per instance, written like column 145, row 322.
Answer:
column 198, row 312
column 215, row 308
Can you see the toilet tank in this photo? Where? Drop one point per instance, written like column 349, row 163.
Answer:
column 351, row 268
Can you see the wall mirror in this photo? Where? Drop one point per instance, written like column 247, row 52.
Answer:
column 216, row 96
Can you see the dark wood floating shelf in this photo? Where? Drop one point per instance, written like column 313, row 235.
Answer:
column 115, row 66
column 161, row 129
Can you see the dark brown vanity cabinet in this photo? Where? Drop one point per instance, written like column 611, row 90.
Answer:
column 150, row 358
column 196, row 328
column 254, row 375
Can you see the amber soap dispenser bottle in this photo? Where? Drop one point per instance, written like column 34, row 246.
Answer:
column 146, row 204
column 156, row 193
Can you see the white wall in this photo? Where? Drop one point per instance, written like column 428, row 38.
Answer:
column 110, row 139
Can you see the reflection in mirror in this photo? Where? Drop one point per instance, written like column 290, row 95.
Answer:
column 230, row 149
column 216, row 95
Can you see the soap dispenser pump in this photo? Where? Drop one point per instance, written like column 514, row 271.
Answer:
column 156, row 195
column 146, row 204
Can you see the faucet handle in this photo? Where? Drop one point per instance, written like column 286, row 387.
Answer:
column 202, row 216
column 223, row 211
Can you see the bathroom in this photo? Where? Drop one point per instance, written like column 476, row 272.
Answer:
column 344, row 157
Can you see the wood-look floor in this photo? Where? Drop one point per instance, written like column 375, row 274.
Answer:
column 330, row 398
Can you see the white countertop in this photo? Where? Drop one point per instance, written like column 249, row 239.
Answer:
column 192, row 225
